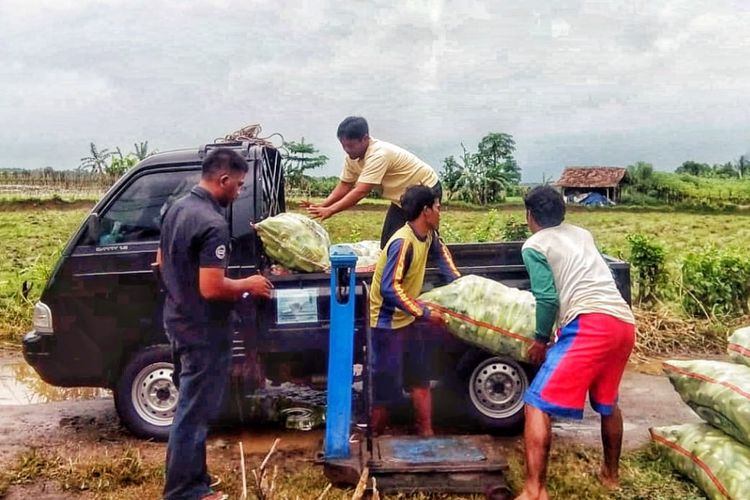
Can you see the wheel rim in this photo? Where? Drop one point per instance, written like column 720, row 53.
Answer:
column 154, row 395
column 496, row 388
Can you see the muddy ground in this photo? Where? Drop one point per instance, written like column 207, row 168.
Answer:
column 91, row 427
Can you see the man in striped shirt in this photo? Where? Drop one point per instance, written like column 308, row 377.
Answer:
column 400, row 323
column 574, row 288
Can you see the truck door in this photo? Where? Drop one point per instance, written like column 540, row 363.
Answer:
column 108, row 294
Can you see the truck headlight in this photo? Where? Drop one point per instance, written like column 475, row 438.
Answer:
column 42, row 318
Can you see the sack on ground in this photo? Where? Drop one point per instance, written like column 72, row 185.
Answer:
column 718, row 464
column 487, row 314
column 739, row 346
column 719, row 392
column 295, row 241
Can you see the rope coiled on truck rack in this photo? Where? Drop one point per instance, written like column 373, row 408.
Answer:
column 251, row 134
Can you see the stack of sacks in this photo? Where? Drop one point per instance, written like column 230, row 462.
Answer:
column 486, row 313
column 716, row 456
column 295, row 241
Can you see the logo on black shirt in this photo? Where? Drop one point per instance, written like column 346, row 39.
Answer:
column 221, row 252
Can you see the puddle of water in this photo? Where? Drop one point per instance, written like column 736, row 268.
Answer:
column 20, row 385
column 259, row 441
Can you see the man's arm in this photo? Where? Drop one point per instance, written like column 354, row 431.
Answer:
column 351, row 198
column 391, row 283
column 212, row 282
column 341, row 189
column 439, row 251
column 544, row 291
column 214, row 285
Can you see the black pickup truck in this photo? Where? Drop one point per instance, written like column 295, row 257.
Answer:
column 99, row 322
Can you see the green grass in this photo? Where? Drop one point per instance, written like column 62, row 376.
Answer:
column 680, row 232
column 30, row 243
column 10, row 199
column 31, row 238
column 644, row 474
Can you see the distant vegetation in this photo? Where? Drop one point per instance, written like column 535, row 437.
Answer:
column 488, row 176
column 96, row 172
column 485, row 177
column 691, row 185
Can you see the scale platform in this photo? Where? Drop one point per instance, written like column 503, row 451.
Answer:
column 441, row 464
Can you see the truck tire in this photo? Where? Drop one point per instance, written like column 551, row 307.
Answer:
column 493, row 388
column 145, row 396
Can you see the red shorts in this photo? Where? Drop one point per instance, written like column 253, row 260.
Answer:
column 589, row 357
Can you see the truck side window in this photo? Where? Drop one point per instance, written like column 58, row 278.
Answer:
column 136, row 213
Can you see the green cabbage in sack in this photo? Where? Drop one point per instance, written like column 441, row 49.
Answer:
column 739, row 346
column 367, row 251
column 719, row 392
column 488, row 314
column 718, row 464
column 295, row 242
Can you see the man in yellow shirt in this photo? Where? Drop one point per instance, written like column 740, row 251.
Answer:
column 400, row 323
column 372, row 164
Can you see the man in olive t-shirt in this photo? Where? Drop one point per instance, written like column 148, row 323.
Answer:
column 372, row 164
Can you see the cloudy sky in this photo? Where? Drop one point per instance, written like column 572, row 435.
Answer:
column 574, row 82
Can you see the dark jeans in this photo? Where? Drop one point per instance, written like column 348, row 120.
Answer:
column 395, row 218
column 400, row 358
column 203, row 377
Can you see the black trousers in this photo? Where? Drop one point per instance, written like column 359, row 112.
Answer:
column 396, row 217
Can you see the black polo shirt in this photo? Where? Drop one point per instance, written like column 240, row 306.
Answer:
column 194, row 234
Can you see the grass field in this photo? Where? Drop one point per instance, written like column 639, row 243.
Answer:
column 30, row 242
column 32, row 233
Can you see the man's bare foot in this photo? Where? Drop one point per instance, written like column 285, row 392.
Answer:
column 608, row 480
column 533, row 495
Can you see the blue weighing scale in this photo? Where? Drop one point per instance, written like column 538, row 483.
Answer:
column 441, row 464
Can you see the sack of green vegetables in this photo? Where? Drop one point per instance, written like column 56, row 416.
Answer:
column 487, row 314
column 719, row 392
column 295, row 241
column 739, row 346
column 718, row 464
column 368, row 253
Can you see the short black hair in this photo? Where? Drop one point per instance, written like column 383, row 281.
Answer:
column 353, row 127
column 223, row 159
column 546, row 205
column 415, row 199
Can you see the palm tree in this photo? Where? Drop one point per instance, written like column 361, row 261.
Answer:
column 97, row 162
column 141, row 150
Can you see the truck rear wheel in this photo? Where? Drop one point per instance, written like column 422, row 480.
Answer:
column 494, row 387
column 145, row 396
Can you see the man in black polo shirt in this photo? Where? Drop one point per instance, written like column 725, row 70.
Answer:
column 192, row 257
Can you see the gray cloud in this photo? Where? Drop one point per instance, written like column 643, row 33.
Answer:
column 575, row 82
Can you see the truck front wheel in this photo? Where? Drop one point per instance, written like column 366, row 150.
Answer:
column 145, row 396
column 494, row 387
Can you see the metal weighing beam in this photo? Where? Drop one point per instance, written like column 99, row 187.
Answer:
column 440, row 464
